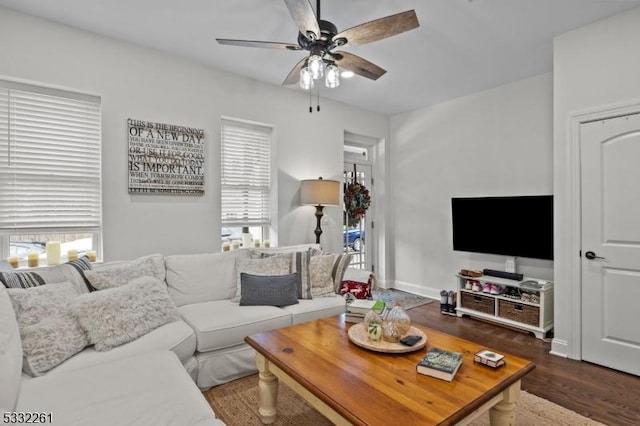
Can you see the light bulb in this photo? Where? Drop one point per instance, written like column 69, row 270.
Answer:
column 316, row 66
column 306, row 81
column 332, row 79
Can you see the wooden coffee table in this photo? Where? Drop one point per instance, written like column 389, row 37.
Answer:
column 352, row 385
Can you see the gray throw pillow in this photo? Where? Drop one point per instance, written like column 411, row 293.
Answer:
column 275, row 265
column 119, row 315
column 269, row 290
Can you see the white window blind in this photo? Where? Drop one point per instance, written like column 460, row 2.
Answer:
column 49, row 159
column 246, row 173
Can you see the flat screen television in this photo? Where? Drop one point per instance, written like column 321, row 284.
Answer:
column 518, row 226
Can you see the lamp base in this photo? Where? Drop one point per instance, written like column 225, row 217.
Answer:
column 318, row 230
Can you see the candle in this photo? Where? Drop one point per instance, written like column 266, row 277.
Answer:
column 72, row 255
column 257, row 243
column 226, row 246
column 13, row 261
column 53, row 252
column 267, row 243
column 91, row 254
column 236, row 245
column 33, row 259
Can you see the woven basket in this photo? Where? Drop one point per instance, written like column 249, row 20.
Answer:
column 478, row 302
column 519, row 312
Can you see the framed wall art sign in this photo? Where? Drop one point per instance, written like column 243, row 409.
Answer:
column 165, row 158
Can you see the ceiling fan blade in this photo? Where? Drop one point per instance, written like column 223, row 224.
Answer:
column 263, row 44
column 358, row 65
column 380, row 28
column 294, row 74
column 304, row 17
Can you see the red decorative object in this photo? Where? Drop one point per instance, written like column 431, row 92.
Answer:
column 356, row 200
column 359, row 290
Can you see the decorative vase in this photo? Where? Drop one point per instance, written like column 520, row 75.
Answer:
column 374, row 332
column 391, row 332
column 373, row 324
column 372, row 317
column 400, row 317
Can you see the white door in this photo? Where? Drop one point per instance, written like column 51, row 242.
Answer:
column 610, row 197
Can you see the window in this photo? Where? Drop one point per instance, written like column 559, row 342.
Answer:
column 50, row 187
column 246, row 179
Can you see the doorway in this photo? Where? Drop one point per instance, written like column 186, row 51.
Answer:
column 610, row 246
column 357, row 231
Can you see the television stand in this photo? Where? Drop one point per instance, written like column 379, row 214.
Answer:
column 526, row 304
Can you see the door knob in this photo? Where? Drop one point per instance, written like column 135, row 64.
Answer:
column 591, row 255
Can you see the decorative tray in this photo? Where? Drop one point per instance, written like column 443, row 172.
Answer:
column 358, row 335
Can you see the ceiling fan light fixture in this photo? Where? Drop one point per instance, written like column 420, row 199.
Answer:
column 332, row 79
column 316, row 66
column 306, row 80
column 347, row 74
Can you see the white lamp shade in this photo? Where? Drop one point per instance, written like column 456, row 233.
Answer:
column 320, row 192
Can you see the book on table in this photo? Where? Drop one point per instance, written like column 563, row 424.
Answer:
column 440, row 363
column 490, row 358
column 362, row 306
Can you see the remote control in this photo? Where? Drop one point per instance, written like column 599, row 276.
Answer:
column 410, row 340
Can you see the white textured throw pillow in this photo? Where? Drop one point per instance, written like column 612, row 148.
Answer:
column 275, row 265
column 117, row 275
column 49, row 331
column 119, row 315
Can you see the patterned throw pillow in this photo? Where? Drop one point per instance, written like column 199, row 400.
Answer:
column 320, row 269
column 275, row 265
column 71, row 271
column 340, row 265
column 118, row 275
column 49, row 331
column 119, row 315
column 299, row 264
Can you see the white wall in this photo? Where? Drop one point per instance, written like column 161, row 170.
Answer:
column 596, row 66
column 140, row 83
column 498, row 142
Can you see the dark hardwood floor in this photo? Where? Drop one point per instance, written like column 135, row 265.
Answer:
column 600, row 393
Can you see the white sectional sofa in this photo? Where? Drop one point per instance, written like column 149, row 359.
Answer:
column 150, row 380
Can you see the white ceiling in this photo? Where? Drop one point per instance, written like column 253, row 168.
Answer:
column 461, row 46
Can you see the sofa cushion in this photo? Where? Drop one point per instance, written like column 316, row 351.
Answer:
column 280, row 290
column 177, row 337
column 119, row 315
column 221, row 323
column 310, row 310
column 116, row 274
column 276, row 265
column 202, row 277
column 49, row 331
column 10, row 353
column 149, row 389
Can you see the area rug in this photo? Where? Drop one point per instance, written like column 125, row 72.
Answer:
column 235, row 403
column 393, row 297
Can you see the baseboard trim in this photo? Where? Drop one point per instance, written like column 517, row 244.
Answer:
column 429, row 292
column 559, row 348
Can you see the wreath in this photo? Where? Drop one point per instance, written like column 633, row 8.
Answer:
column 356, row 200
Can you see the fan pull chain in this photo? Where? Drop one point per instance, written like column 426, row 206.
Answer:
column 318, row 99
column 310, row 101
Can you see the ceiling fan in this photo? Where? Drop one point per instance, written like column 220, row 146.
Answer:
column 321, row 37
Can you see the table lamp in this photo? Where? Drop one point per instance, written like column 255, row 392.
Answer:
column 320, row 193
